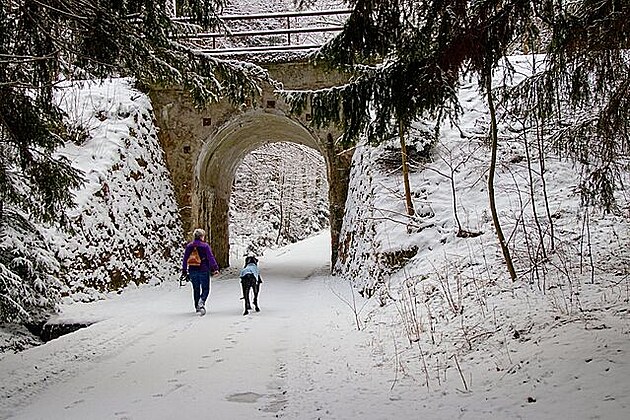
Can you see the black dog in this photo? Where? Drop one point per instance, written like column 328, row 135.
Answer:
column 250, row 279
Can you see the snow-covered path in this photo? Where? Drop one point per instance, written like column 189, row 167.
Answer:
column 151, row 357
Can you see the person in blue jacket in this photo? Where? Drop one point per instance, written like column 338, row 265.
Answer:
column 199, row 264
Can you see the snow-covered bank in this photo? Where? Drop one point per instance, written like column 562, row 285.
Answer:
column 451, row 316
column 126, row 226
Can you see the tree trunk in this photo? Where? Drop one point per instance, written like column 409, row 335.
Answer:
column 281, row 205
column 493, row 163
column 405, row 170
column 540, row 129
column 532, row 194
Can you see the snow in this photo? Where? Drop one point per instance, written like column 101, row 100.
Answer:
column 448, row 301
column 249, row 7
column 149, row 356
column 446, row 333
column 126, row 221
column 279, row 196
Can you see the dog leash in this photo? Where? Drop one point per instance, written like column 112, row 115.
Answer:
column 183, row 279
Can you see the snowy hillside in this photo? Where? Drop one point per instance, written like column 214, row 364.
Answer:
column 126, row 228
column 449, row 312
column 451, row 170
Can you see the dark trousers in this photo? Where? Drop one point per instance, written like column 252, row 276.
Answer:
column 200, row 281
column 249, row 281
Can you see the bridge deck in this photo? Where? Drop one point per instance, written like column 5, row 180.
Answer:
column 268, row 32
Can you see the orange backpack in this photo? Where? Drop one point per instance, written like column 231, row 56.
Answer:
column 194, row 259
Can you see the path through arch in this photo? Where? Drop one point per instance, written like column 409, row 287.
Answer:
column 219, row 160
column 279, row 196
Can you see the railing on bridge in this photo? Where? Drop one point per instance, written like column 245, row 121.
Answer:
column 269, row 32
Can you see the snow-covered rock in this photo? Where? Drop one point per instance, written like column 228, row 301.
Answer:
column 126, row 227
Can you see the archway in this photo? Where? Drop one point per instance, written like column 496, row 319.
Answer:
column 220, row 157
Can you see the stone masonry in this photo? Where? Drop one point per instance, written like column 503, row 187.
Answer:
column 205, row 147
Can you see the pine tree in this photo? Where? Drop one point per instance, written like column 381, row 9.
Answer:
column 406, row 57
column 585, row 89
column 47, row 44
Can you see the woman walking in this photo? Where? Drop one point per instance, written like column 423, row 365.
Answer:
column 199, row 264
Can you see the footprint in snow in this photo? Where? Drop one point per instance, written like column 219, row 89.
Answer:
column 244, row 397
column 122, row 415
column 74, row 403
column 87, row 389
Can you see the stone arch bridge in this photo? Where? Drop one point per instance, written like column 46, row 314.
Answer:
column 205, row 147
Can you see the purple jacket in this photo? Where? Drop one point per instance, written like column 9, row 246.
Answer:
column 208, row 262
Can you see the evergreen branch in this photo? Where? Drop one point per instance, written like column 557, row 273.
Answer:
column 66, row 13
column 24, row 59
